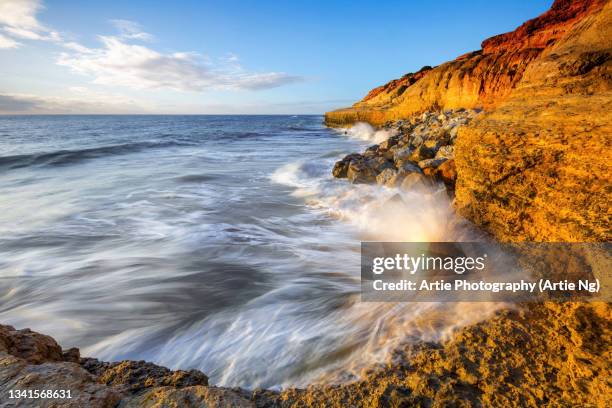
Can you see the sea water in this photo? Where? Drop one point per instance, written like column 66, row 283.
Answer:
column 220, row 243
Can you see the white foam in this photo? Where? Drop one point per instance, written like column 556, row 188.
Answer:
column 364, row 131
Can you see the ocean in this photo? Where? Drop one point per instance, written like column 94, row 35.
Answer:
column 220, row 243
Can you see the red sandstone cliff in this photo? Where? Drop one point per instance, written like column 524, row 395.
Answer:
column 483, row 78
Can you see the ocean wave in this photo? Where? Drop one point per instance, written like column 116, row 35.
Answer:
column 364, row 131
column 68, row 157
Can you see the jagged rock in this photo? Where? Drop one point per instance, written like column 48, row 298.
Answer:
column 409, row 167
column 424, row 151
column 134, row 376
column 33, row 347
column 33, row 361
column 389, row 143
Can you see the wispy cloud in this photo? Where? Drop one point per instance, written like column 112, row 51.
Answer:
column 131, row 30
column 7, row 42
column 75, row 100
column 18, row 21
column 119, row 62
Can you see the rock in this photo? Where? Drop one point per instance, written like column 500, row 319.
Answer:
column 385, row 177
column 134, row 376
column 389, row 143
column 401, row 156
column 33, row 361
column 425, row 151
column 33, row 347
column 415, row 182
column 447, row 173
column 190, row 397
column 453, row 134
column 379, row 164
column 445, row 152
column 341, row 167
column 360, row 172
column 409, row 167
column 18, row 374
column 424, row 164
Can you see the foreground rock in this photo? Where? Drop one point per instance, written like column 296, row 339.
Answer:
column 539, row 355
column 421, row 151
column 32, row 361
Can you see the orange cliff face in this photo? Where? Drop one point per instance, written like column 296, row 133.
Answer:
column 481, row 79
column 536, row 165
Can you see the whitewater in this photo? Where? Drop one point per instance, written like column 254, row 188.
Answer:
column 220, row 243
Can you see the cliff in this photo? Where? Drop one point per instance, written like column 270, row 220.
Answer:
column 481, row 79
column 534, row 165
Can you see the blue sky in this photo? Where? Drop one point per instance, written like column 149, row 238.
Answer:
column 228, row 56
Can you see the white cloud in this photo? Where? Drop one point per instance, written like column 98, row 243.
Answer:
column 121, row 62
column 7, row 42
column 18, row 20
column 79, row 100
column 131, row 30
column 118, row 62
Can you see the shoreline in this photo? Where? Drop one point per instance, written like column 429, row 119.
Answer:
column 477, row 363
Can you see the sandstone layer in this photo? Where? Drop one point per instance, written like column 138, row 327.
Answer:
column 535, row 166
column 481, row 79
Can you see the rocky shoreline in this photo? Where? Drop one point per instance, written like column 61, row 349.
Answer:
column 550, row 354
column 532, row 167
column 419, row 152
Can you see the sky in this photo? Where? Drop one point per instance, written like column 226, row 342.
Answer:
column 228, row 57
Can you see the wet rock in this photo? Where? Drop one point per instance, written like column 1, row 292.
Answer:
column 410, row 167
column 425, row 151
column 415, row 182
column 341, row 167
column 360, row 172
column 386, row 176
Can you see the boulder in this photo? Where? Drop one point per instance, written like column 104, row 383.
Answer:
column 379, row 163
column 415, row 182
column 387, row 178
column 447, row 172
column 424, row 164
column 341, row 167
column 389, row 143
column 425, row 151
column 360, row 172
column 445, row 152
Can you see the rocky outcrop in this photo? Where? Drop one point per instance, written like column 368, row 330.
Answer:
column 420, row 152
column 481, row 79
column 550, row 355
column 537, row 167
column 32, row 361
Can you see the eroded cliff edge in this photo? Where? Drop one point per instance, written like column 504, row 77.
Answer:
column 535, row 165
